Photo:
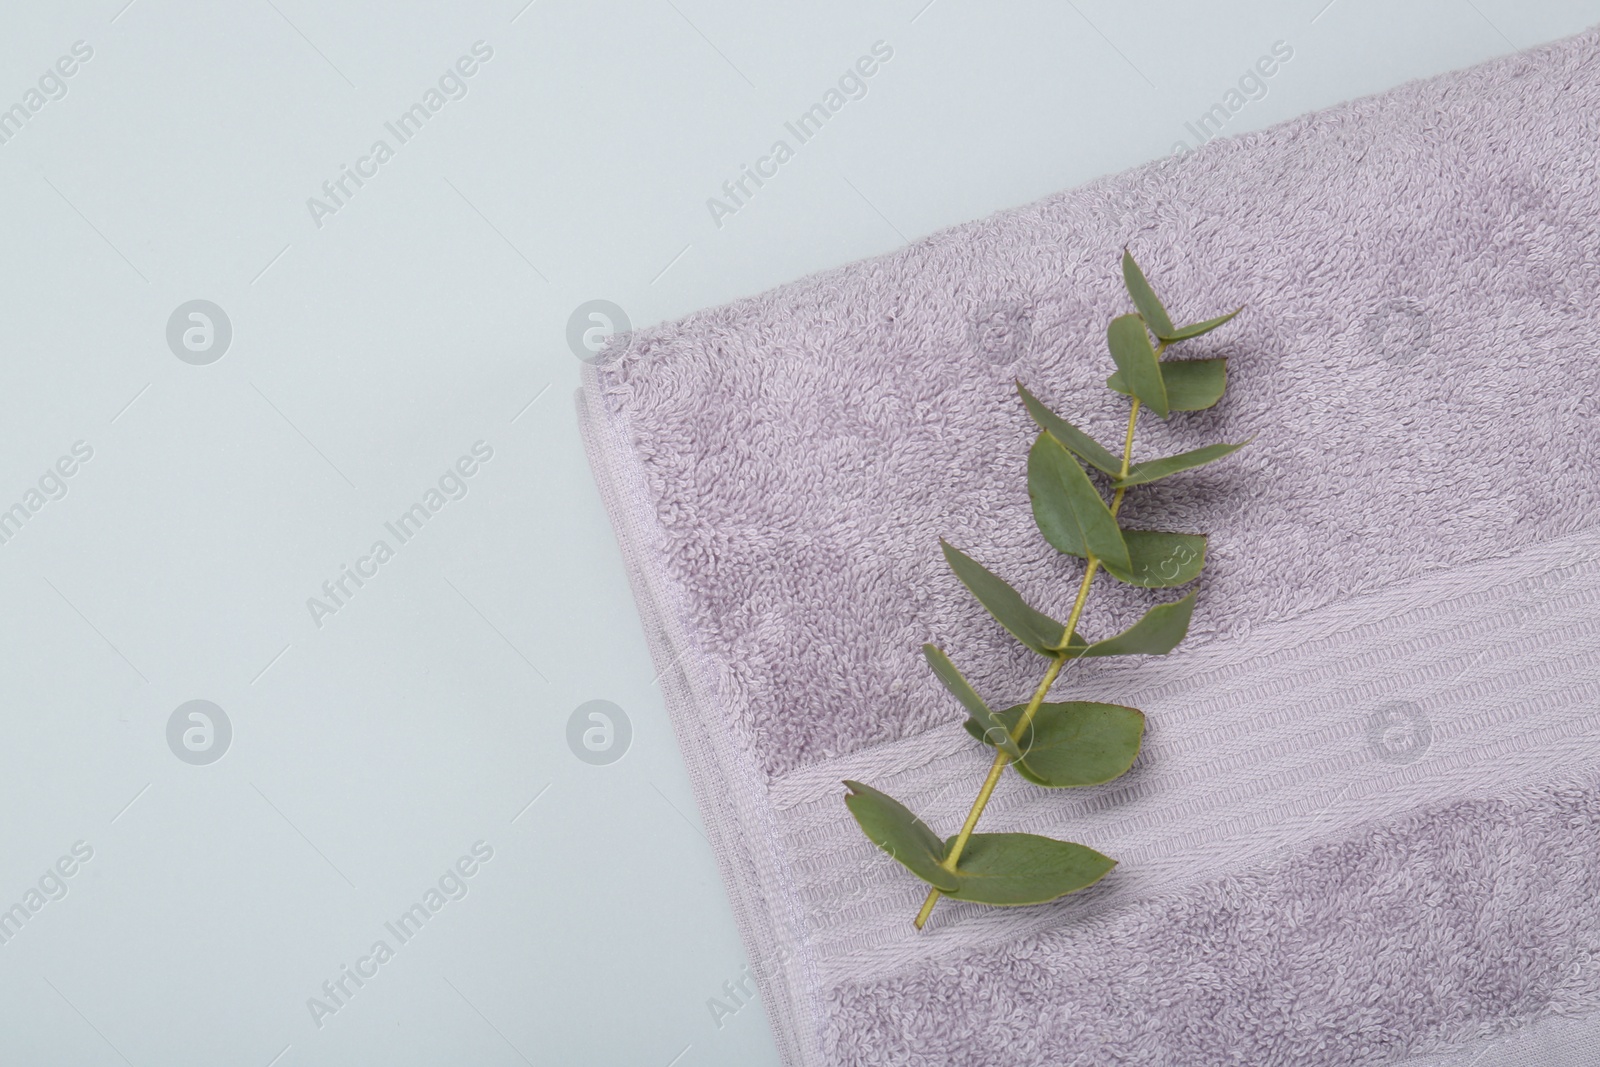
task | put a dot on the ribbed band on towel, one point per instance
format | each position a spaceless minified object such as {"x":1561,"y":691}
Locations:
{"x":1364,"y":824}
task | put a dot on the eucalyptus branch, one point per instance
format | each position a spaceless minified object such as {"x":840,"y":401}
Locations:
{"x":1001,"y":758}
{"x":1078,"y":743}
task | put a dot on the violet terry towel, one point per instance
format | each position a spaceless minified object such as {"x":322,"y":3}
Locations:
{"x":1365,"y":827}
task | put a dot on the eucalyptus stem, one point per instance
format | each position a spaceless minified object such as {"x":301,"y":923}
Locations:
{"x":1056,"y":664}
{"x":1073,"y":743}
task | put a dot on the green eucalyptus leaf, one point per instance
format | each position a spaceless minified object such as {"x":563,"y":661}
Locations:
{"x":1068,"y":508}
{"x":1161,"y":560}
{"x":1155,"y":314}
{"x":891,"y":826}
{"x":1156,"y":634}
{"x":1152,"y":470}
{"x":1144,"y":297}
{"x":1072,"y":744}
{"x":999,"y":734}
{"x":1014,"y":869}
{"x":1192,"y":384}
{"x":1033,"y":628}
{"x":1075,"y":439}
{"x":1195,"y":329}
{"x":1141,"y":370}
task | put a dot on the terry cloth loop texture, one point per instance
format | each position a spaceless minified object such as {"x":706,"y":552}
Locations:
{"x":1394,"y":653}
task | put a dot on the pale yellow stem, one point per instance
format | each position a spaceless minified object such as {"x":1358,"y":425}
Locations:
{"x":1056,"y":663}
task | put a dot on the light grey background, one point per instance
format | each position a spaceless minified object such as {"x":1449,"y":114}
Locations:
{"x":368,"y":353}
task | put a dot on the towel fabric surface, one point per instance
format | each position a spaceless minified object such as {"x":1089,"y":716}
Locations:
{"x":1365,"y":825}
